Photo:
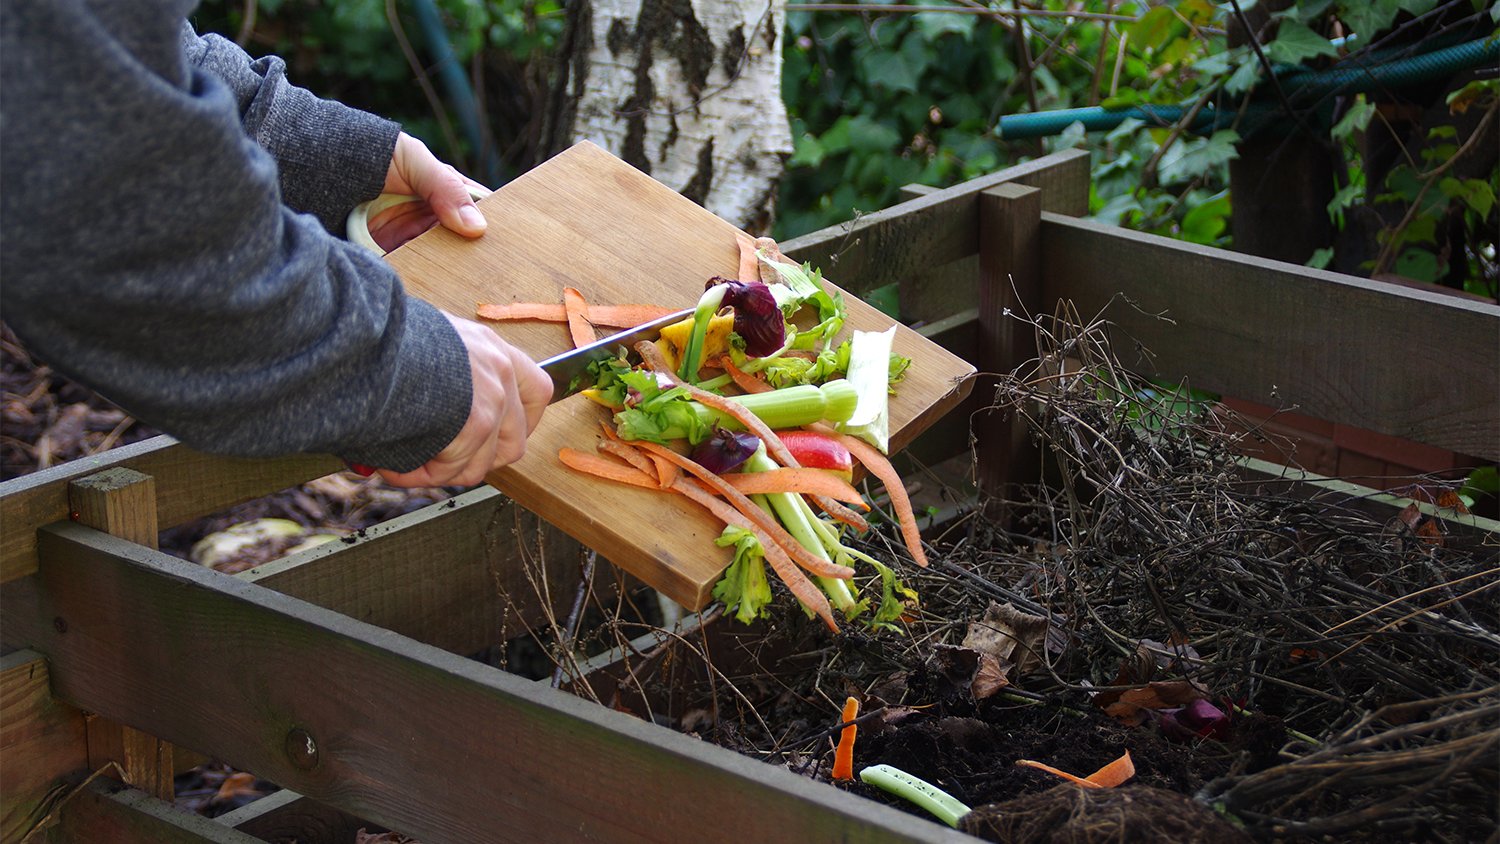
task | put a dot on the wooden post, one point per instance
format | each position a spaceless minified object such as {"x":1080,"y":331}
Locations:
{"x":1010,"y":218}
{"x":122,"y":502}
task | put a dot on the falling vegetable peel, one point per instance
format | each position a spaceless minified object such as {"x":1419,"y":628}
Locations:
{"x":791,"y":379}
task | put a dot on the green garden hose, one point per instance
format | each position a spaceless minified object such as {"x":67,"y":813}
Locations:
{"x":1300,"y":86}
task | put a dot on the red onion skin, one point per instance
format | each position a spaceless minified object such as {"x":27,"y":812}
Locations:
{"x":724,"y":451}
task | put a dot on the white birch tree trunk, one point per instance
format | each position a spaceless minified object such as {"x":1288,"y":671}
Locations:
{"x":688,"y":91}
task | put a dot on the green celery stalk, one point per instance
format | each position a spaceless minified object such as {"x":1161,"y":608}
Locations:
{"x":791,"y":407}
{"x":944,"y":806}
{"x":692,"y":356}
{"x":790,"y":509}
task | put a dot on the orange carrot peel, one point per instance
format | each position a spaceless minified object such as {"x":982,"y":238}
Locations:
{"x":612,"y":316}
{"x":1109,"y":776}
{"x":577,"y":309}
{"x":843,"y":755}
{"x":881,"y":468}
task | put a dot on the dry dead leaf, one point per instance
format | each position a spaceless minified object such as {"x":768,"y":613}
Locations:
{"x":989,"y":677}
{"x":1010,"y":636}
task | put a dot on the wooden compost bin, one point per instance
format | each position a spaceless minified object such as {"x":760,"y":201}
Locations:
{"x":335,"y":672}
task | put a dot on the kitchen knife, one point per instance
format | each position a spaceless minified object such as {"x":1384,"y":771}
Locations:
{"x":570,"y":370}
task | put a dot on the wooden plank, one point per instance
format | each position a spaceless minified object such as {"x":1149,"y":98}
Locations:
{"x":190,"y":484}
{"x":949,"y":436}
{"x":103,"y":810}
{"x":904,"y":240}
{"x":587,"y":219}
{"x":376,"y":724}
{"x":286,"y":815}
{"x":474,"y":594}
{"x":1009,"y":290}
{"x":1413,"y":363}
{"x":122,"y":503}
{"x":41,"y":742}
{"x":1459,"y":529}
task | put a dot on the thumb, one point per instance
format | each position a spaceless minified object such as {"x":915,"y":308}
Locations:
{"x":448,"y":196}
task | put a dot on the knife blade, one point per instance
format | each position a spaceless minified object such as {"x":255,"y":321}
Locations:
{"x":569,"y":371}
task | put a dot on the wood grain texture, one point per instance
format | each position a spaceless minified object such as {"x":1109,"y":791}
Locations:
{"x":122,"y":503}
{"x":288,"y":816}
{"x":41,"y":742}
{"x":189,"y":484}
{"x":586,"y":219}
{"x":391,"y":719}
{"x":104,"y":811}
{"x":905,"y":240}
{"x":1403,"y":361}
{"x":479,"y":590}
{"x":1010,"y":285}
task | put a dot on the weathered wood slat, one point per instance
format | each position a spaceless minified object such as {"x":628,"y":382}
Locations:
{"x":122,"y":502}
{"x":104,"y":811}
{"x":902,"y":241}
{"x":288,"y":816}
{"x":376,"y":724}
{"x":466,"y":597}
{"x":189,"y":484}
{"x":1010,"y":287}
{"x":1415,"y":364}
{"x":41,"y":741}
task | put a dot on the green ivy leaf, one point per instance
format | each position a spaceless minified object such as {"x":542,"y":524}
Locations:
{"x":889,"y":70}
{"x":1475,"y":193}
{"x":866,"y":135}
{"x":935,"y":25}
{"x":1354,"y":120}
{"x":1189,"y":159}
{"x":1321,"y":258}
{"x":1153,"y":29}
{"x":1368,"y":17}
{"x":1245,"y":77}
{"x":1418,"y":264}
{"x":1207,"y":220}
{"x":1295,"y":41}
{"x":807,"y":152}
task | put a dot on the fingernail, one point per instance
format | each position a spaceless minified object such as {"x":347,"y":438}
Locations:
{"x":471,"y":217}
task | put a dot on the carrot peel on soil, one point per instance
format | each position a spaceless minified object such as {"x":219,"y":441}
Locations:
{"x":1109,"y":776}
{"x":843,"y":754}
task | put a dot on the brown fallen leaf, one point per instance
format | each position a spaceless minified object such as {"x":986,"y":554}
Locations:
{"x":1012,"y":637}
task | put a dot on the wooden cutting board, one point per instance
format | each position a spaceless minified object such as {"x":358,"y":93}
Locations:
{"x":588,"y":220}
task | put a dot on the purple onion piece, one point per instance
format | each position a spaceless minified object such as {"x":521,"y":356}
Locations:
{"x":757,"y":318}
{"x":1199,"y":719}
{"x":725,"y":450}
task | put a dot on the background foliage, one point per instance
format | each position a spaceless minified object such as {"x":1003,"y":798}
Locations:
{"x":880,"y":98}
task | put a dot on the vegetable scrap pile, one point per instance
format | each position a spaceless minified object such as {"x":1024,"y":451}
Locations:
{"x":755,"y":410}
{"x":1304,"y":667}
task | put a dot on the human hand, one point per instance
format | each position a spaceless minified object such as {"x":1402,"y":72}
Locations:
{"x":416,"y":171}
{"x":509,"y":394}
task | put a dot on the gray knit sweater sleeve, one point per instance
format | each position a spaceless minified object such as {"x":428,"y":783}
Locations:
{"x":151,"y":244}
{"x":329,"y":157}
